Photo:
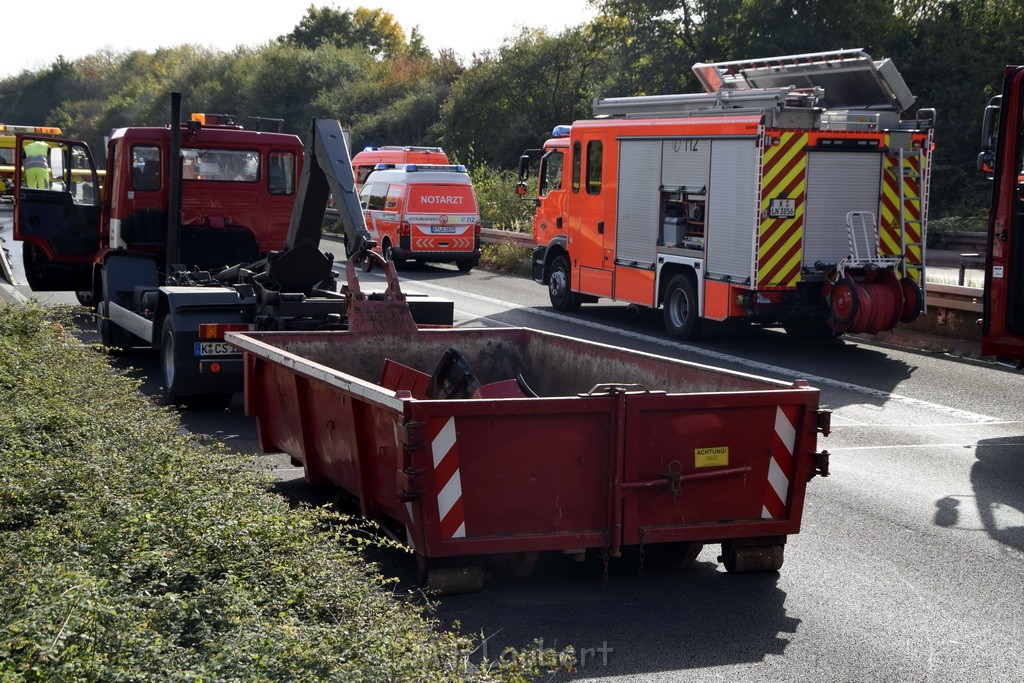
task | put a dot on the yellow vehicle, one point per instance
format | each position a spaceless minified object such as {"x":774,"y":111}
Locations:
{"x":10,"y":155}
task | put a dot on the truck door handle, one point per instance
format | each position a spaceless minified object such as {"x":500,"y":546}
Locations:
{"x":1004,"y":235}
{"x":558,"y":222}
{"x":600,"y":228}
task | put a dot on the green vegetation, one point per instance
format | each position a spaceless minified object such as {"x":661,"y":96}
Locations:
{"x":506,"y":258}
{"x":360,"y":67}
{"x":129,"y":552}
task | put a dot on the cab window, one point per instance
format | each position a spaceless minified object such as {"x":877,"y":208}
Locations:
{"x":594,"y":167}
{"x":230,"y":165}
{"x":362,"y":173}
{"x":145,"y":168}
{"x":373,"y":196}
{"x":576,"y":154}
{"x":281,"y":173}
{"x":551,"y":172}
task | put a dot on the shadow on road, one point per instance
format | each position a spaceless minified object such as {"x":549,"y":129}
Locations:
{"x":997,"y":478}
{"x":998,"y":481}
{"x":659,"y":622}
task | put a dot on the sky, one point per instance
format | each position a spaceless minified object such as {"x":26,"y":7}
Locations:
{"x":73,"y":28}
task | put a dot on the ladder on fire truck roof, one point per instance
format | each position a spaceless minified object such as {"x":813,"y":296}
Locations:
{"x":850,"y":78}
{"x":726,"y":101}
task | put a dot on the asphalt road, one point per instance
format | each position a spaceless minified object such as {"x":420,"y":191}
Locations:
{"x":909,"y":565}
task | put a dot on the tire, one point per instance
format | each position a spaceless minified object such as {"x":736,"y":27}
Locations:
{"x":113,"y":338}
{"x":168,"y":367}
{"x":169,"y":392}
{"x":389,"y":255}
{"x":464,"y":266}
{"x":86,"y":297}
{"x":680,"y":308}
{"x":560,"y":286}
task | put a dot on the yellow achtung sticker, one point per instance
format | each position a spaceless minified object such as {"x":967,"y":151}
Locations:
{"x":711,"y":457}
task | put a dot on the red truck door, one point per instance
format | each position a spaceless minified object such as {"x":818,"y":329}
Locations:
{"x":59,"y":224}
{"x":1003,"y":322}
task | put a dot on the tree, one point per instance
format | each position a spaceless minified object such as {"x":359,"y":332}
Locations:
{"x":510,"y":100}
{"x":372,"y":29}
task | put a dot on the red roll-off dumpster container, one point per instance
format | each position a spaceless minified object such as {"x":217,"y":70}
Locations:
{"x":592,"y":448}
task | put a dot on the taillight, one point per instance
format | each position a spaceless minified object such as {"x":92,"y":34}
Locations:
{"x":217,"y":330}
{"x":404,"y":229}
{"x":476,"y":230}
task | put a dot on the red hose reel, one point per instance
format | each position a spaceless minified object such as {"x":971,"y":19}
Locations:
{"x":871,"y":305}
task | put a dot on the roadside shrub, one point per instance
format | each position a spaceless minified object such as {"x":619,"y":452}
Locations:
{"x":500,"y":207}
{"x":507,"y":258}
{"x":130,"y":551}
{"x":940,"y":230}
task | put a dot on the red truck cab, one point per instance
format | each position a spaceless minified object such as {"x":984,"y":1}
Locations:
{"x":238,"y":189}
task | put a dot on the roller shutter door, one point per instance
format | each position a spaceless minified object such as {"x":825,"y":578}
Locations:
{"x":837,"y":183}
{"x":636,"y":218}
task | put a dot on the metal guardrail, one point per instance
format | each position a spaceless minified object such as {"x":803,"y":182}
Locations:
{"x":955,"y":296}
{"x":492,"y":236}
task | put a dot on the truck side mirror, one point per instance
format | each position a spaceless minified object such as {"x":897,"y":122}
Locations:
{"x":521,"y":189}
{"x":985,"y":164}
{"x":524,"y":168}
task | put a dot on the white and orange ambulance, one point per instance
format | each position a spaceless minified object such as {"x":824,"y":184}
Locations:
{"x":423,"y":213}
{"x":369,"y":158}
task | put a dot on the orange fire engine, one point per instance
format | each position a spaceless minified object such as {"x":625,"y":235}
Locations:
{"x":790,"y":193}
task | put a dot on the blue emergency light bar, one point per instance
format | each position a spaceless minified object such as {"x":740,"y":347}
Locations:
{"x":561,"y":131}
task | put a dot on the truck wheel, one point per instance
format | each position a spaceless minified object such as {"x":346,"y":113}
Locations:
{"x":85,"y":297}
{"x":560,"y":286}
{"x":111,"y":336}
{"x":464,"y":266}
{"x":169,"y":394}
{"x":680,"y":308}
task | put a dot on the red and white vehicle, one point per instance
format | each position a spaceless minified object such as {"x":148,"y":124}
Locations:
{"x":423,"y":213}
{"x":366,"y":162}
{"x":790,"y":193}
{"x":1002,"y":158}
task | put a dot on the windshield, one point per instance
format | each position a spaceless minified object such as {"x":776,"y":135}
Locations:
{"x":231,"y":165}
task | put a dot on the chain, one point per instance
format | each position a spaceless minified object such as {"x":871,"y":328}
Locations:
{"x":675,"y":474}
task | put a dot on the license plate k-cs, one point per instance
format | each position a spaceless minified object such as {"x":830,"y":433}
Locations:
{"x":217,"y":348}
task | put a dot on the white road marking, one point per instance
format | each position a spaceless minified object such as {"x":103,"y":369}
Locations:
{"x":815,"y":380}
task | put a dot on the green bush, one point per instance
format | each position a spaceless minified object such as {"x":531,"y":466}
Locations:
{"x":940,"y":230}
{"x":507,"y":258}
{"x":130,"y":551}
{"x":500,"y":207}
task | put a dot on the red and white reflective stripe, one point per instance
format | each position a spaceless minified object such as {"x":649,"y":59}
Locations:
{"x":444,"y":449}
{"x":780,"y":469}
